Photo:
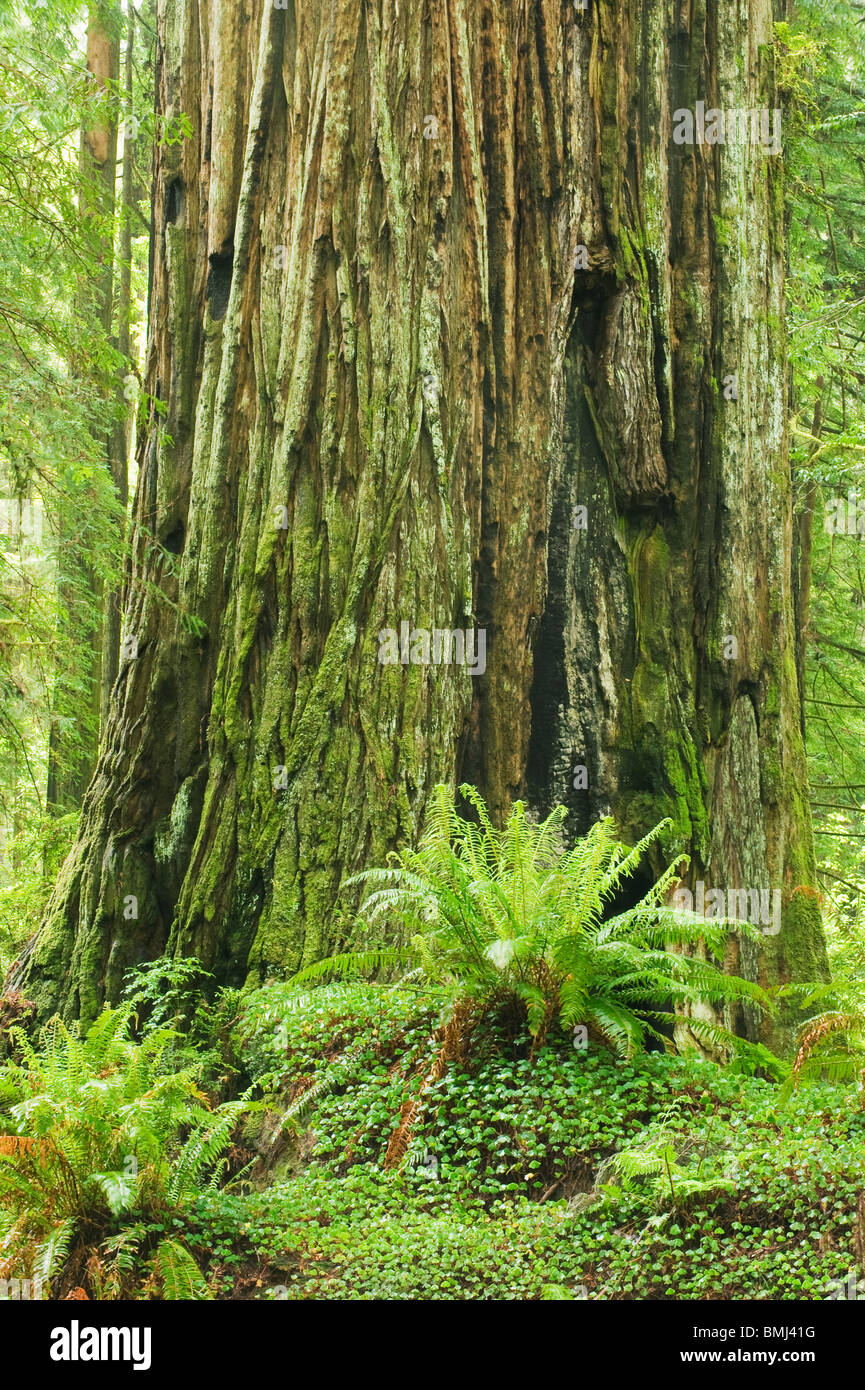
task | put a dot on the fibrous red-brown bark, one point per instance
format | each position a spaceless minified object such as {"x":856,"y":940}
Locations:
{"x":370,"y":309}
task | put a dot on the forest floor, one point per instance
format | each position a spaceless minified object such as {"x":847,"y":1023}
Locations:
{"x":570,"y":1174}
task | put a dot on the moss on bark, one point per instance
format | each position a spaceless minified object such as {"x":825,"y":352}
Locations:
{"x":408,"y":384}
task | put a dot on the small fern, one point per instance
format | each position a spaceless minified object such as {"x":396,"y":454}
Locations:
{"x":657,"y":1157}
{"x":831,"y":1043}
{"x":177,"y":1273}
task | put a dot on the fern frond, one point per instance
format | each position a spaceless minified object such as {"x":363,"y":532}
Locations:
{"x":349,"y":963}
{"x":52,"y":1253}
{"x":178,"y":1273}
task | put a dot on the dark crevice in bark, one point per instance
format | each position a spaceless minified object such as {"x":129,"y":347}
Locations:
{"x":564,"y":737}
{"x":630,"y":892}
{"x":219,"y":284}
{"x":549,"y":692}
{"x":174,"y":201}
{"x":471,"y":759}
{"x":173,"y":541}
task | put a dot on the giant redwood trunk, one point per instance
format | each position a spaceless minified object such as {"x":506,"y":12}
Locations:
{"x":428,"y":279}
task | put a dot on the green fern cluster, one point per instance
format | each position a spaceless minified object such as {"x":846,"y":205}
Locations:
{"x":662,"y":1161}
{"x":93,"y":1138}
{"x":511,"y":916}
{"x":831,"y":1043}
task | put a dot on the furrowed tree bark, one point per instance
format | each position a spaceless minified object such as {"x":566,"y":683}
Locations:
{"x":371,"y":309}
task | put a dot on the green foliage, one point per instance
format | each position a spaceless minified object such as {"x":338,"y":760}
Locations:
{"x":511,"y":919}
{"x":55,"y":409}
{"x":821,"y":67}
{"x":831,"y":1043}
{"x":95,"y":1130}
{"x":25,"y":891}
{"x":163,"y":992}
{"x":500,"y":1197}
{"x":61,"y":394}
{"x":177,"y":1272}
{"x":658,"y":1156}
{"x":766,"y":1190}
{"x":167,"y":993}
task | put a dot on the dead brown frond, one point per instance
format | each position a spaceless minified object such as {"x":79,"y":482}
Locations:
{"x":822,"y":1029}
{"x":546,"y":981}
{"x":16,"y":1146}
{"x":454,"y":1046}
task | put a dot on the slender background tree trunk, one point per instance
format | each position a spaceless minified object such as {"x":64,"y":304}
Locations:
{"x":118,"y":447}
{"x":426,"y":280}
{"x":72,"y":758}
